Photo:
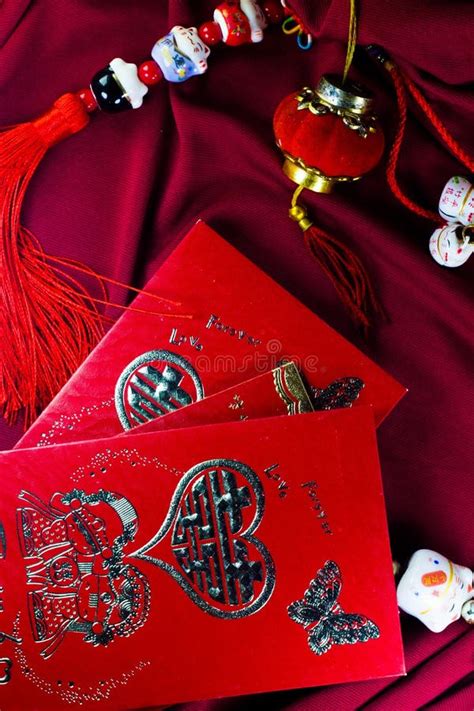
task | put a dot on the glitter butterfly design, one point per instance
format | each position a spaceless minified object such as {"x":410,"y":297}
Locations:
{"x":320,"y":613}
{"x":340,"y":393}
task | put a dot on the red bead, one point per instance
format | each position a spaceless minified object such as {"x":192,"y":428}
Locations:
{"x":149,"y":72}
{"x":273,"y":11}
{"x":88,"y":99}
{"x":210,"y":33}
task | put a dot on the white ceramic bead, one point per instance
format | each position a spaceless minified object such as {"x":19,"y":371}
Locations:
{"x":467,"y":612}
{"x":127,"y":75}
{"x":449,"y":246}
{"x":189,"y":43}
{"x":181,"y":54}
{"x":434,"y":589}
{"x":256,"y":18}
{"x":240,"y":22}
{"x":456,"y":203}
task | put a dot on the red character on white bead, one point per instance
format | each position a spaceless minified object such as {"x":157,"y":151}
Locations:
{"x":255,"y":17}
{"x":451,"y":245}
{"x":191,"y":45}
{"x":456,"y":203}
{"x":240,"y":22}
{"x":436,"y":590}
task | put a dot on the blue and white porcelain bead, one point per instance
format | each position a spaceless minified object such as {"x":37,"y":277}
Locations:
{"x":181,"y":54}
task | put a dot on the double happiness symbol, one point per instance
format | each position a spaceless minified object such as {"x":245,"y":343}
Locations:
{"x":79,"y":572}
{"x":154,"y":384}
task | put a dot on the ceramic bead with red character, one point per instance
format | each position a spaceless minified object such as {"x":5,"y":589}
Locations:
{"x":240,"y":22}
{"x":453,"y":244}
{"x":436,"y":590}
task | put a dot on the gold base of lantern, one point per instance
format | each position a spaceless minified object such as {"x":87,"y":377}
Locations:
{"x":310,"y":177}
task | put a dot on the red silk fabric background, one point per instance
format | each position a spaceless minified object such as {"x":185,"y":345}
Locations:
{"x":120,"y":195}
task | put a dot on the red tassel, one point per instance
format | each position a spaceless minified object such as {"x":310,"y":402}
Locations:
{"x":343,"y":268}
{"x":47,"y":325}
{"x":347,"y":273}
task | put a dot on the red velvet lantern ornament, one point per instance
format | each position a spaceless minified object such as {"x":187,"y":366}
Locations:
{"x":329,"y":135}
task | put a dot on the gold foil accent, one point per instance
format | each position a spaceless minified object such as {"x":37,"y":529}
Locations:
{"x":310,"y":177}
{"x":291,"y":389}
{"x":328,"y":98}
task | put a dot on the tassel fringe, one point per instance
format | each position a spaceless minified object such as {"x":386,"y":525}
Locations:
{"x":341,"y":266}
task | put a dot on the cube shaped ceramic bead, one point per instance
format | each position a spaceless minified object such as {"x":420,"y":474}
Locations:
{"x":456,"y":203}
{"x":434,"y":589}
{"x":181,"y":54}
{"x":450,"y":245}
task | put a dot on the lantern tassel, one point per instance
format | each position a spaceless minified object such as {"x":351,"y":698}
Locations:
{"x":341,"y":266}
{"x":47,"y":325}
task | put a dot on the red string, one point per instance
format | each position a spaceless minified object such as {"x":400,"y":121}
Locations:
{"x":77,"y":266}
{"x":347,"y":274}
{"x":392,"y":163}
{"x":401,"y":83}
{"x":112,"y":304}
{"x":455,"y":148}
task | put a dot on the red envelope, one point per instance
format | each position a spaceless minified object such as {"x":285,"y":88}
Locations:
{"x":175,"y":566}
{"x":243,"y":324}
{"x":278,"y":392}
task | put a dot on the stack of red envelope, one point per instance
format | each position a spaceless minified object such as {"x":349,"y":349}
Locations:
{"x":224,"y":548}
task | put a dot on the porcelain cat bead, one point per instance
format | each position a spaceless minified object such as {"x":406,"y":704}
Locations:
{"x":240,"y":21}
{"x":181,"y":54}
{"x":189,"y":43}
{"x":456,"y":203}
{"x":435,"y":590}
{"x":256,"y":18}
{"x":451,"y":245}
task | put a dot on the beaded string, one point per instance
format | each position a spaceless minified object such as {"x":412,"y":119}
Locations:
{"x":48,"y":321}
{"x":181,"y":54}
